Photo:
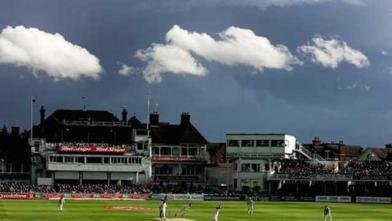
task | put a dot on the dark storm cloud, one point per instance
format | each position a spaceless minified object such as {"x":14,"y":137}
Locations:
{"x":308,"y":101}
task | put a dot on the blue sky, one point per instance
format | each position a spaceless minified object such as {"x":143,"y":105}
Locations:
{"x":347,"y":102}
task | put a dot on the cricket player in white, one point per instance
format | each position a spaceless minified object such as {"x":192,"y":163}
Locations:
{"x":217,"y":211}
{"x":162,"y":210}
{"x":61,"y":202}
{"x":327,"y":213}
{"x":250,"y":204}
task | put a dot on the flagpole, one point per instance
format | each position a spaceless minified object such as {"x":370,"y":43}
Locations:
{"x":31,"y":118}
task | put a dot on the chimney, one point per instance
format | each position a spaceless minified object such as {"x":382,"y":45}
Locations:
{"x":124,"y":115}
{"x":342,"y":150}
{"x":316,"y":142}
{"x":185,"y":118}
{"x":15,"y":131}
{"x":42,"y":112}
{"x":154,"y":118}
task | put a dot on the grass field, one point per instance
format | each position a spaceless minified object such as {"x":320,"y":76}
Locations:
{"x":11,"y":210}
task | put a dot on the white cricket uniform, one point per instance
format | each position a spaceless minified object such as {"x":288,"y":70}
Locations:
{"x":62,"y":201}
{"x":216,"y":214}
{"x":250,"y":204}
{"x":327,"y":214}
{"x":163,"y":211}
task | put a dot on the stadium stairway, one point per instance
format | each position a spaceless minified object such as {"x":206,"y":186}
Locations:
{"x":309,"y":155}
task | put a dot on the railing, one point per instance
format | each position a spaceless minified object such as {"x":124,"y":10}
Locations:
{"x":310,"y":155}
{"x":177,"y":158}
{"x":315,"y":177}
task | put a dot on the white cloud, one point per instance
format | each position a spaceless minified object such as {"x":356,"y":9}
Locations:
{"x":50,"y":53}
{"x":127,"y":70}
{"x":169,"y":58}
{"x":331,"y":52}
{"x":235,"y":46}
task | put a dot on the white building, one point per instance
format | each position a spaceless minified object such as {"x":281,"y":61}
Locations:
{"x":252,"y":154}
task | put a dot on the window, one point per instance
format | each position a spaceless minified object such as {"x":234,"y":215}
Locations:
{"x":184,"y":151}
{"x":262,"y":143}
{"x":68,"y":159}
{"x":266,"y":167}
{"x":79,"y":159}
{"x":245,"y":167}
{"x":192,"y":151}
{"x":176,"y":151}
{"x":106,"y":160}
{"x":247,"y":143}
{"x":165,"y":151}
{"x":277,"y":143}
{"x":94,"y":160}
{"x":233,"y":143}
{"x":255,"y":167}
{"x":141,"y":132}
{"x":59,"y":159}
{"x":155,"y":150}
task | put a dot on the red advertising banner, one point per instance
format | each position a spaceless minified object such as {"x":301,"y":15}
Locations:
{"x":111,"y":196}
{"x":16,"y":196}
{"x":139,"y":196}
{"x":82,"y":195}
{"x":52,"y":195}
{"x":91,"y":149}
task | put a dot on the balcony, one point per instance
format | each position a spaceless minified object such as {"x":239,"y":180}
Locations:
{"x":164,"y":158}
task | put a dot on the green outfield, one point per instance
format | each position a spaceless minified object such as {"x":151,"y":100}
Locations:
{"x":11,"y":210}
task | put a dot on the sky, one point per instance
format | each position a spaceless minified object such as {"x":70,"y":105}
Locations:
{"x":303,"y":67}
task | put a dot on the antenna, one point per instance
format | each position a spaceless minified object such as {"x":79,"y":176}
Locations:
{"x":84,"y":103}
{"x":148,"y":111}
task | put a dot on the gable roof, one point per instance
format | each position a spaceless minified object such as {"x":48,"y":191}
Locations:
{"x":176,"y":134}
{"x":80,"y":115}
{"x":382,"y":153}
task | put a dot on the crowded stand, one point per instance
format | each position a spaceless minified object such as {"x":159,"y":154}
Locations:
{"x":299,"y":168}
{"x":68,"y":188}
{"x":376,"y":170}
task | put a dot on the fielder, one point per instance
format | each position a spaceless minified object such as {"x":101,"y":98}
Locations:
{"x":216,"y":213}
{"x":61,"y":202}
{"x":162,"y":210}
{"x":183,"y":210}
{"x":327,"y":213}
{"x":250,"y":204}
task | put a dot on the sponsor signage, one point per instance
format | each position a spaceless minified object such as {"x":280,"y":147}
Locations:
{"x":363,"y":199}
{"x":51,"y":195}
{"x":179,"y":196}
{"x":115,"y":196}
{"x":16,"y":196}
{"x":338,"y":199}
{"x":221,"y":198}
{"x":82,"y":195}
{"x":91,"y":149}
{"x":139,"y":196}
